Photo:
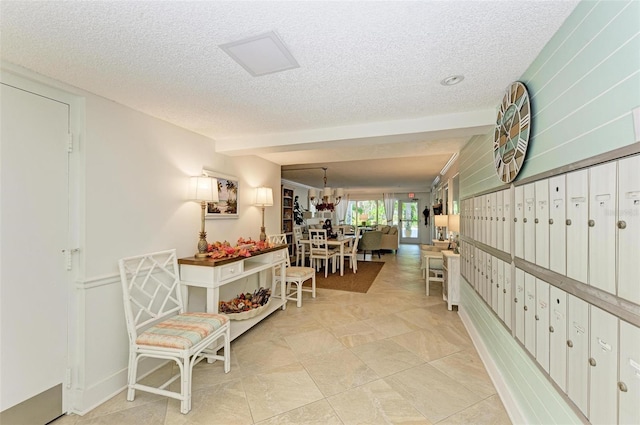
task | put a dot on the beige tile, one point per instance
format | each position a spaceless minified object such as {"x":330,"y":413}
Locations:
{"x":375,"y":403}
{"x":257,"y":357}
{"x":386,"y":357}
{"x":489,"y":412}
{"x":318,"y":413}
{"x":355,"y":333}
{"x":426,"y":344}
{"x":432,"y":392}
{"x":391,"y":325}
{"x":148,"y":414}
{"x":279,"y":390}
{"x":467,"y":369}
{"x":338,"y":371}
{"x":310,"y":344}
{"x":225,"y":403}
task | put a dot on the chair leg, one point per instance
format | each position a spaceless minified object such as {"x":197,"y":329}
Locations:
{"x":313,"y":286}
{"x":185,"y":384}
{"x":133,"y":371}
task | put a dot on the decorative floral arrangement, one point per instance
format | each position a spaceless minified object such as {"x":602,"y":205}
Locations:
{"x":243,"y":248}
{"x":326,"y":207}
{"x":245,"y":302}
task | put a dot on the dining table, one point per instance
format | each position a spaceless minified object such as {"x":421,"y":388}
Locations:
{"x":342,"y":242}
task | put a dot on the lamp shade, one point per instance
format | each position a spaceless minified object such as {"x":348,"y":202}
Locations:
{"x":454,"y":222}
{"x":441,"y":220}
{"x":326,"y":192}
{"x":203,"y":188}
{"x":264,"y":196}
{"x":313,"y":193}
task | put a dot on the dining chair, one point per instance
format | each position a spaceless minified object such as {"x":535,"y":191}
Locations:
{"x":353,"y":253}
{"x":297,"y":276}
{"x":159,"y":327}
{"x":297,"y":240}
{"x":277,"y":239}
{"x":319,"y":250}
{"x":370,"y":241}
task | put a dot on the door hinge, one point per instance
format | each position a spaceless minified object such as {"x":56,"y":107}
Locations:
{"x":67,"y":256}
{"x":70,"y":142}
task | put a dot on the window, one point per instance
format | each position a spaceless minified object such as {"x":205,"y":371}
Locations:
{"x":370,"y":212}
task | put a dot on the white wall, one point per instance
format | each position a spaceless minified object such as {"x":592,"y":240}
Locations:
{"x":132,"y":183}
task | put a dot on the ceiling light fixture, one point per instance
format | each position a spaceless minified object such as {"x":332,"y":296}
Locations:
{"x":261,"y":55}
{"x":452,"y":81}
{"x":330,"y":198}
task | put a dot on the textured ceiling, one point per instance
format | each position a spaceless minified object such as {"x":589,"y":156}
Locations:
{"x":367,"y":87}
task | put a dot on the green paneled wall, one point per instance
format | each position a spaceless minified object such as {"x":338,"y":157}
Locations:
{"x":583,"y":87}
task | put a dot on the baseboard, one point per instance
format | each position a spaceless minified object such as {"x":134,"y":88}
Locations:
{"x":92,"y":397}
{"x":510,"y":404}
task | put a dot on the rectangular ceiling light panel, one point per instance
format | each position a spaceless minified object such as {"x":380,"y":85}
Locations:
{"x":261,"y":55}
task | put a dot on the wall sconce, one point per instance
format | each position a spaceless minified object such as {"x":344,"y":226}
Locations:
{"x":203,"y":189}
{"x":264,"y":198}
{"x":441,"y":221}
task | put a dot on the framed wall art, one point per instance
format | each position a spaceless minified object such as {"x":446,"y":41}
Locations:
{"x":227,"y":205}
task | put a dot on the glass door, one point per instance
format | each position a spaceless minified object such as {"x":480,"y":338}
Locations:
{"x":408,"y":218}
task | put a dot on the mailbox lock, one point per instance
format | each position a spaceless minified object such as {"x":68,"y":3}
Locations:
{"x":525,"y":308}
{"x":515,"y":219}
{"x":592,"y":223}
{"x":515,"y":300}
{"x":536,"y":221}
{"x":491,"y":280}
{"x":622,"y":224}
{"x":524,"y":219}
{"x":622,"y":387}
{"x":503,"y":219}
{"x":537,"y":317}
{"x":550,"y":221}
{"x":504,"y":291}
{"x":568,"y":222}
{"x":551,"y":329}
{"x":569,"y":343}
{"x":592,"y":361}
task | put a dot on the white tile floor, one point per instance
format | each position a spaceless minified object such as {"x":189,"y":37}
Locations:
{"x":391,"y":356}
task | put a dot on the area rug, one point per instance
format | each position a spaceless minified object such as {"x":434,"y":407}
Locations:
{"x":353,"y":282}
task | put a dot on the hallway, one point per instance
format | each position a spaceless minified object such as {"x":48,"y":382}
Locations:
{"x":390,"y":356}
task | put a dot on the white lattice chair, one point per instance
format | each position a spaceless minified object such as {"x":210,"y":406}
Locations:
{"x":294,"y":275}
{"x":353,"y":252}
{"x":319,"y":250}
{"x":159,"y":327}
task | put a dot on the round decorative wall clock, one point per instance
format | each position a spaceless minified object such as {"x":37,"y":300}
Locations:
{"x":511,"y":136}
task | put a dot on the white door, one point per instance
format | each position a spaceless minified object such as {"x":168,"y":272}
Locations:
{"x":629,"y":386}
{"x":558,"y":336}
{"x":499,"y":264}
{"x":603,"y":387}
{"x":577,"y":234}
{"x":578,"y":352}
{"x":542,"y":223}
{"x":519,"y":223}
{"x":529,"y":224}
{"x":508,"y":298}
{"x":507,"y":219}
{"x":34,"y":231}
{"x":529,"y":313}
{"x":409,"y":223}
{"x":602,"y":226}
{"x":542,"y":323}
{"x":518,"y":305}
{"x":500,"y":220}
{"x":557,"y":226}
{"x":495,"y":288}
{"x":493,"y":221}
{"x":629,"y":228}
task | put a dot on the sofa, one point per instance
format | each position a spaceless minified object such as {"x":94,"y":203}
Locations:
{"x":390,"y":238}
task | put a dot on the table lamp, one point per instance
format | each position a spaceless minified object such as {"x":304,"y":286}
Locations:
{"x":454,"y":228}
{"x":203,"y":189}
{"x":264,"y":198}
{"x":440,"y":222}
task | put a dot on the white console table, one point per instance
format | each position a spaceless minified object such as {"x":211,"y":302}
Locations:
{"x":213,"y":274}
{"x":451,"y":284}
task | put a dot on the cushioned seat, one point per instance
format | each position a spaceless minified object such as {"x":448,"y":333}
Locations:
{"x":182,"y":331}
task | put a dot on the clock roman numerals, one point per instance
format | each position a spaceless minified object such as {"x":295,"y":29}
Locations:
{"x":512,"y":130}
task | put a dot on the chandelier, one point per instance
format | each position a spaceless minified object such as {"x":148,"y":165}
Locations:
{"x":330,"y":197}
